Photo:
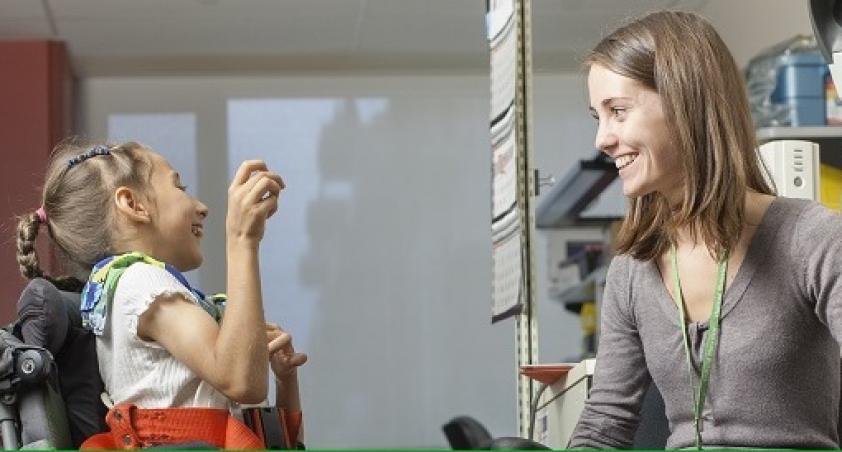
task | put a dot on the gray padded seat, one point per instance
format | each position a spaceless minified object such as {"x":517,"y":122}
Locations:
{"x":68,"y":409}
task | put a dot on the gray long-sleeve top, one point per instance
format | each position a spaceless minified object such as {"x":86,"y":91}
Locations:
{"x":776,"y":372}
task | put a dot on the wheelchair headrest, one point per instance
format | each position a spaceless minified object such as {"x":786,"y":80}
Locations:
{"x":47,"y":315}
{"x":50,"y":318}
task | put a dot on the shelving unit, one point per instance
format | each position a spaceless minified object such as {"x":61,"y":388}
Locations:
{"x":829,"y":139}
{"x":571,"y":195}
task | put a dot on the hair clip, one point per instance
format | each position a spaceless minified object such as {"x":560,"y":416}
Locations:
{"x":42,"y":214}
{"x":93,"y":152}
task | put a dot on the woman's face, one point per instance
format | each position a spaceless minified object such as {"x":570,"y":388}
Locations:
{"x":633,"y":131}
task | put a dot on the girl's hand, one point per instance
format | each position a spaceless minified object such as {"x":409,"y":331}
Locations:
{"x":252,"y":198}
{"x":282,"y":356}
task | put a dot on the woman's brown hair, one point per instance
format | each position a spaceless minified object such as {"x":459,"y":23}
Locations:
{"x":76,"y":199}
{"x":680,"y":56}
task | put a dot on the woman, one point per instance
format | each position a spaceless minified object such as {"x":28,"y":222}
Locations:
{"x":726,"y":297}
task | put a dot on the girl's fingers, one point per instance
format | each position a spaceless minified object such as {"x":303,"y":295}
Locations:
{"x":290,"y":362}
{"x":298,"y":359}
{"x":246,"y":169}
{"x":268,"y":206}
{"x":277,"y":344}
{"x":272,"y":209}
{"x":274,"y":327}
{"x":263,"y":189}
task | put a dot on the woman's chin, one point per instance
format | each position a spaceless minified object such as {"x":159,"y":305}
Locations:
{"x":632,"y":192}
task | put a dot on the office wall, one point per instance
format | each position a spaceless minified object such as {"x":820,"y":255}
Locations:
{"x":750,"y":26}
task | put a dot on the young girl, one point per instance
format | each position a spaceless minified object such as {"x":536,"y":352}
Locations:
{"x":121,"y":213}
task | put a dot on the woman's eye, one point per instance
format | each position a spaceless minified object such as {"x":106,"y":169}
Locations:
{"x":618,"y":111}
{"x":182,"y":187}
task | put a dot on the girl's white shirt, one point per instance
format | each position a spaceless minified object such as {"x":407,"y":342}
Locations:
{"x":143,"y":372}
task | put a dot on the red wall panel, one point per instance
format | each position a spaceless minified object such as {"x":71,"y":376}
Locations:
{"x":36,"y":87}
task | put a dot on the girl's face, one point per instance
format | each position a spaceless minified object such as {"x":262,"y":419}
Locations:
{"x":177,"y":217}
{"x":633,"y":131}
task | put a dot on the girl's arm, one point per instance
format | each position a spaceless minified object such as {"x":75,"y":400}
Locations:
{"x":285,"y":362}
{"x":233,"y":356}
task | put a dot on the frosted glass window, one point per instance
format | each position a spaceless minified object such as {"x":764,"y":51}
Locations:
{"x":286,"y":134}
{"x":378,"y":260}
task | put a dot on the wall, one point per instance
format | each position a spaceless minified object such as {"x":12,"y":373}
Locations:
{"x":750,"y":26}
{"x":379,"y":259}
{"x":35,"y":113}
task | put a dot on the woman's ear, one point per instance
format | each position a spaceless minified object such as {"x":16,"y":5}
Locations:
{"x":132,"y":205}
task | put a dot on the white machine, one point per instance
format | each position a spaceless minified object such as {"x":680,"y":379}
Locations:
{"x":561,"y":404}
{"x":793,"y":167}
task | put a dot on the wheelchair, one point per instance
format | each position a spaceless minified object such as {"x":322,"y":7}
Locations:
{"x":49,"y":378}
{"x":50,"y":387}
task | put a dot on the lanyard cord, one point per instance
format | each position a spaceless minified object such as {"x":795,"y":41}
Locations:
{"x":711,"y":340}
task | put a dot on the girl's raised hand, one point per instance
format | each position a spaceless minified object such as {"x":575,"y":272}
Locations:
{"x":252,"y":198}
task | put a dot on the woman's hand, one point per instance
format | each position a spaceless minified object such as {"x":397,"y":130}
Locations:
{"x":252,"y":198}
{"x":282,"y":356}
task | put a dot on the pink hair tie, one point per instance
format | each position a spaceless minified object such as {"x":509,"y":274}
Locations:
{"x":42,"y":214}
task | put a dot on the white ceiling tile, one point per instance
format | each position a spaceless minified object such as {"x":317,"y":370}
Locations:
{"x":424,"y":27}
{"x":316,"y":33}
{"x":207,"y":26}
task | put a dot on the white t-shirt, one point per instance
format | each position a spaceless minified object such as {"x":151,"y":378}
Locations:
{"x":143,"y":372}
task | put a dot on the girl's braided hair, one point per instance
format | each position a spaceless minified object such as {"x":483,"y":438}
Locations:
{"x":77,"y":202}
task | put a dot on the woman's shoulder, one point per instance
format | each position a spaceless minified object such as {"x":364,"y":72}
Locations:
{"x":626,"y":272}
{"x":626,"y":265}
{"x":807,"y":217}
{"x":797,"y":206}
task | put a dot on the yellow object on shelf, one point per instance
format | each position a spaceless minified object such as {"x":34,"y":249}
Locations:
{"x":588,"y":318}
{"x":830,"y":186}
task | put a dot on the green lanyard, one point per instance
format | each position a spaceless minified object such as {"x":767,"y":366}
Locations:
{"x":710,"y":341}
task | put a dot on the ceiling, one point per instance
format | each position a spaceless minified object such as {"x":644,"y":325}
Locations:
{"x":170,"y":37}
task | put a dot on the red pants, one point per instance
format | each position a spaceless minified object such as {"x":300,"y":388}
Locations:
{"x":132,"y":428}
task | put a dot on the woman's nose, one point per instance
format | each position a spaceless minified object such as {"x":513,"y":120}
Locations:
{"x":606,"y":139}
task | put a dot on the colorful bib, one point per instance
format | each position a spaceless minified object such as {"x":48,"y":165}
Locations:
{"x":99,"y":290}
